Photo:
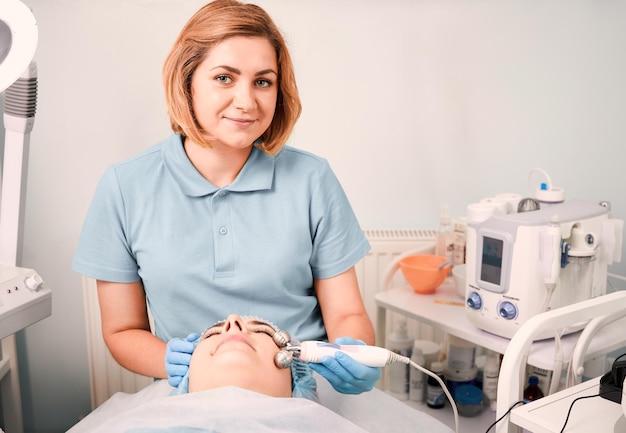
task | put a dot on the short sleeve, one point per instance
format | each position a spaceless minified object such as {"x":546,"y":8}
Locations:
{"x":338,"y":241}
{"x":103,"y":250}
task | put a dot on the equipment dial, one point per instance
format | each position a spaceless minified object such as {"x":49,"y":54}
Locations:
{"x":474,"y":301}
{"x":507,"y":310}
{"x":33,"y":282}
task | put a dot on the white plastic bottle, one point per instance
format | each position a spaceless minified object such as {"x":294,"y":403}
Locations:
{"x":490,"y":378}
{"x":417,"y":384}
{"x":399,"y":342}
{"x":459,"y":231}
{"x":445,"y":236}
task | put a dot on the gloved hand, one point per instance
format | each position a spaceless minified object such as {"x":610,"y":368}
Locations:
{"x":344,"y":373}
{"x":177,"y":358}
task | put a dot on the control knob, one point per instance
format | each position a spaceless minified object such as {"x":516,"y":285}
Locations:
{"x":474,"y":301}
{"x":507,"y":310}
{"x":33,"y":282}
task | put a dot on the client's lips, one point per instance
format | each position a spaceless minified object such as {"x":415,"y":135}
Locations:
{"x":234,"y":338}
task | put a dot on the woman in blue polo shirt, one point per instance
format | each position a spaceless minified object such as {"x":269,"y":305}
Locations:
{"x":221,"y":216}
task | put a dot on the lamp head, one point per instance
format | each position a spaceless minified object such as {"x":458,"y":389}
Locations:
{"x":18,"y":40}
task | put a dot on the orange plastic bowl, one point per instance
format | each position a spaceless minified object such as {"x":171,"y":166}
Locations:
{"x":422,"y":272}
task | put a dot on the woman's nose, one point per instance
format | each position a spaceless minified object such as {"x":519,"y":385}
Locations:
{"x":234,"y":323}
{"x":244,"y":98}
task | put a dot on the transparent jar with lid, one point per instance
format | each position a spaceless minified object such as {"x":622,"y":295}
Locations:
{"x":469,"y":400}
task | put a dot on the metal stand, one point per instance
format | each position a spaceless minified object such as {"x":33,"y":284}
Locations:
{"x":15,"y":170}
{"x":10,"y":387}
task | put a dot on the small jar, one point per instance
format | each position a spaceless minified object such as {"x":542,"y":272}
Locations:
{"x":469,"y":400}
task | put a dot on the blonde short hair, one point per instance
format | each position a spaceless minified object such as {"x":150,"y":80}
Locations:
{"x":210,"y":25}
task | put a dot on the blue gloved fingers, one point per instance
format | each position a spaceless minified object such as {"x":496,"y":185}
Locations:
{"x":365,"y":376}
{"x":176,"y":369}
{"x":177,"y":359}
{"x":358,"y":370}
{"x":177,"y":345}
{"x":346,"y":375}
{"x":349,"y":340}
{"x":338,"y":384}
{"x":175,"y":373}
{"x":178,"y":356}
{"x":192,"y":337}
{"x":350,"y":371}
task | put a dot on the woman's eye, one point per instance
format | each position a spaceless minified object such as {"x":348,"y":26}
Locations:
{"x":263,"y":83}
{"x":224,"y":79}
{"x":264,"y":330}
{"x":211,"y":332}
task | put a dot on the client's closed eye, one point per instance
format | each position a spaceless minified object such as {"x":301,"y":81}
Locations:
{"x":213,"y":330}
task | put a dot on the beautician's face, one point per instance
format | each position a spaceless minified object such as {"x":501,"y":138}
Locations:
{"x":239,"y":352}
{"x":234,"y":91}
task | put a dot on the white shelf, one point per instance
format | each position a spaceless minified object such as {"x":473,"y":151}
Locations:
{"x":548,"y":414}
{"x":445,"y":310}
{"x":475,"y":424}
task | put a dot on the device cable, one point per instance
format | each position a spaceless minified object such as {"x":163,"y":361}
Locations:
{"x":571,"y":406}
{"x":443,"y":387}
{"x":513,"y":406}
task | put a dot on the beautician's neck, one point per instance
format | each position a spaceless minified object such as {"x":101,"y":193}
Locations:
{"x":220,"y":164}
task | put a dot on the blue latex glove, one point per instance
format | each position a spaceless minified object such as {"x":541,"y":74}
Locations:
{"x":177,"y":358}
{"x":344,"y":373}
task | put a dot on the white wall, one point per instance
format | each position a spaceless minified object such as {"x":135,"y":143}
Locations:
{"x":416,"y":103}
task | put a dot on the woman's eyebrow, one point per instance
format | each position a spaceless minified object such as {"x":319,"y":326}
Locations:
{"x":238,"y":72}
{"x":218,"y":324}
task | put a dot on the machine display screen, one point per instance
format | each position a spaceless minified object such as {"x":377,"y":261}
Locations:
{"x":491,"y":264}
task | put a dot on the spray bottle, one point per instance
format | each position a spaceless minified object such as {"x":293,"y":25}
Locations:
{"x":445,"y":236}
{"x":417,"y":384}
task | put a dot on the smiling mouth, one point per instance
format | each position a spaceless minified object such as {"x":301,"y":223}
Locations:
{"x":233,"y":339}
{"x":240,"y":121}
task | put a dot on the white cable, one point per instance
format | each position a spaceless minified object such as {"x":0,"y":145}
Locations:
{"x":406,"y":360}
{"x":373,"y":356}
{"x":617,"y":277}
{"x":542,"y":171}
{"x":548,"y":298}
{"x":558,"y":363}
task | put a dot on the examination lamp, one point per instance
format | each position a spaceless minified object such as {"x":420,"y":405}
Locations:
{"x":18,"y":80}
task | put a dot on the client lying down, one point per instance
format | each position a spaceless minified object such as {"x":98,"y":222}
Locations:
{"x":237,"y":382}
{"x":246,"y":352}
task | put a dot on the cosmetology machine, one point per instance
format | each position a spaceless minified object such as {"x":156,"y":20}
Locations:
{"x":534,"y":255}
{"x":24,"y":299}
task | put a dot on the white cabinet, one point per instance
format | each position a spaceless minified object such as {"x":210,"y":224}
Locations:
{"x":547,"y":415}
{"x":445,"y":310}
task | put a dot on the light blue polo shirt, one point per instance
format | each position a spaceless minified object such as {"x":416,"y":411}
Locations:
{"x":202,"y":252}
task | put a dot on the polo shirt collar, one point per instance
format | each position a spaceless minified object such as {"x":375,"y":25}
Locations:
{"x":257,"y":173}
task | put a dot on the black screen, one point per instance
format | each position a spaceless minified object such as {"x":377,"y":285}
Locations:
{"x":491,"y":268}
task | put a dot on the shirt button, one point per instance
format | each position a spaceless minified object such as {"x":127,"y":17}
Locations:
{"x":222,"y":194}
{"x":223,"y":230}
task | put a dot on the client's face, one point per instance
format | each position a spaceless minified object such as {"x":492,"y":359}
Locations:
{"x":239,"y":352}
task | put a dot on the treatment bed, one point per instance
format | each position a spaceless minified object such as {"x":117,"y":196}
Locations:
{"x":236,"y":410}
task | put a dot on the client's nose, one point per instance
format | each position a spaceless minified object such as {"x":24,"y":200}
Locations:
{"x":233,"y":323}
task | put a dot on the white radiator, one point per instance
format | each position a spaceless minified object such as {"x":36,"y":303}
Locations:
{"x":107,"y":377}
